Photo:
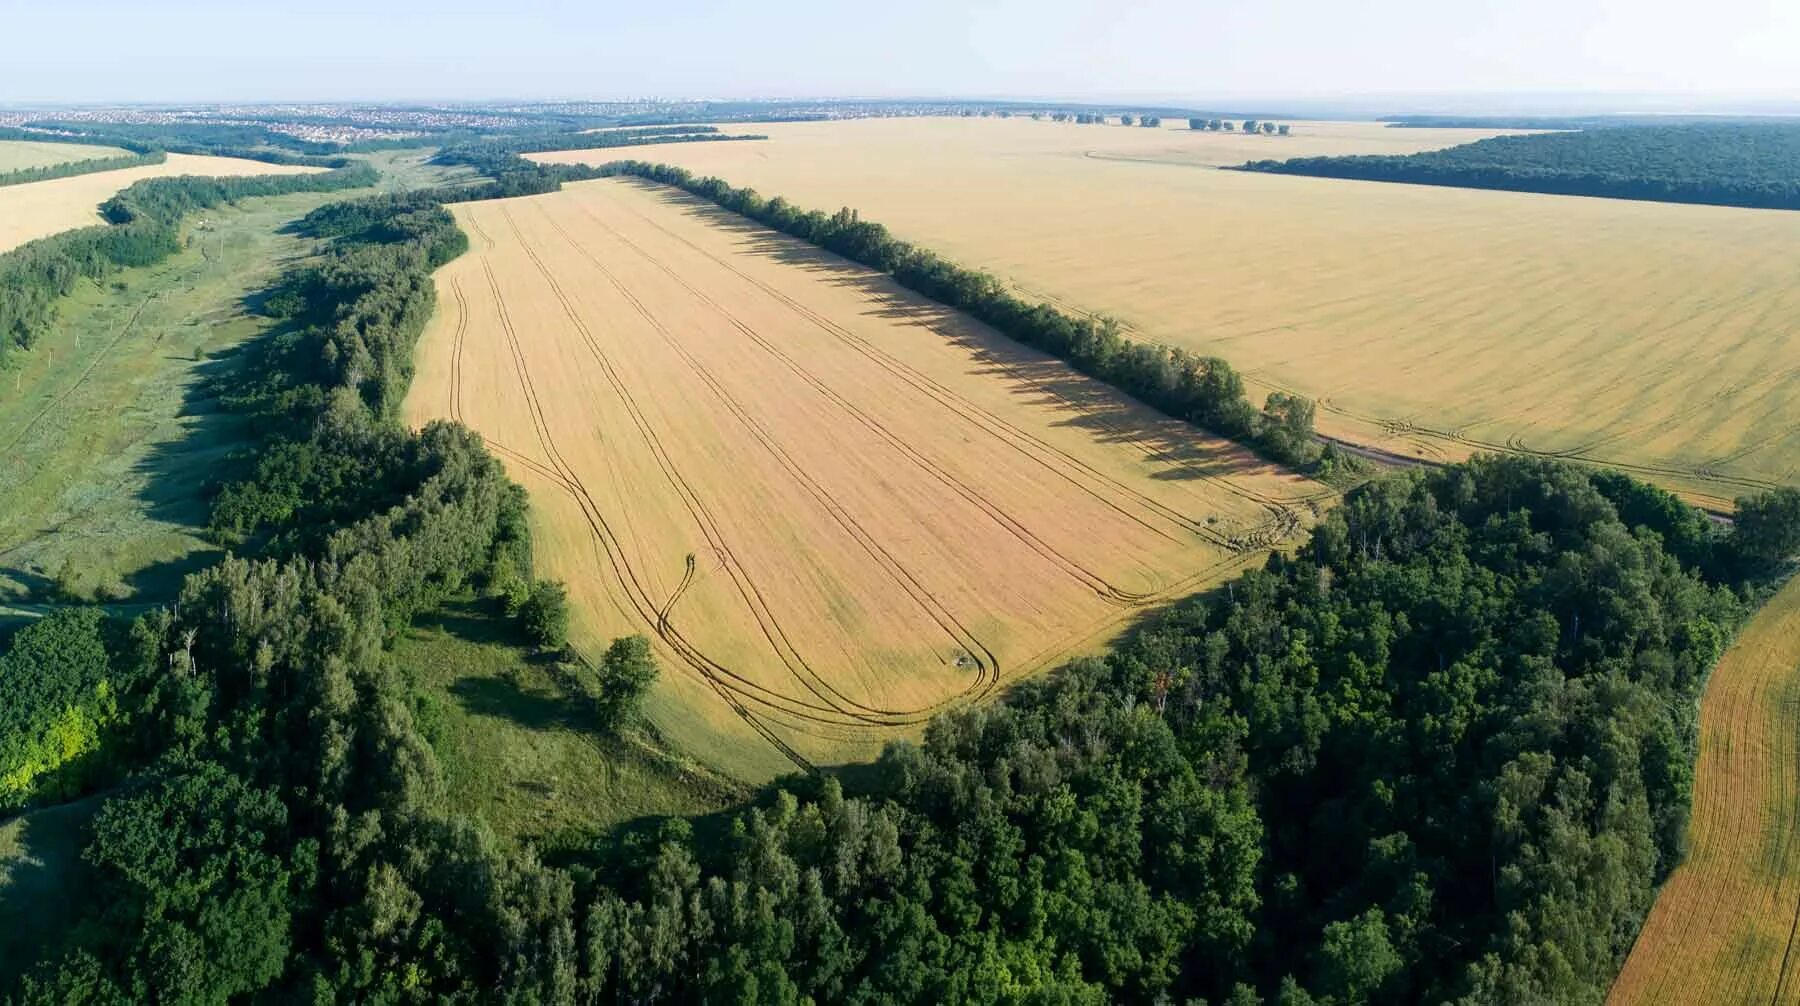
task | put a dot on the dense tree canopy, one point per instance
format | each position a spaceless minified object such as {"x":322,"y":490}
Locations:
{"x":1727,"y":164}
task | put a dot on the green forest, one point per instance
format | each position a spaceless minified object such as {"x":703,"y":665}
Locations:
{"x":1722,"y":164}
{"x":1443,"y":752}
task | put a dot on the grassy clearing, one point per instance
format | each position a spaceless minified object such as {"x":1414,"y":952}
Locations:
{"x":837,"y":508}
{"x":107,"y":436}
{"x":1432,"y":322}
{"x":515,"y":750}
{"x":16,"y":155}
{"x":41,"y":875}
{"x":1726,"y":920}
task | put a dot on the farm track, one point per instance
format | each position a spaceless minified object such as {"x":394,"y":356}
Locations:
{"x":1410,"y":430}
{"x":1726,"y":921}
{"x":788,"y":696}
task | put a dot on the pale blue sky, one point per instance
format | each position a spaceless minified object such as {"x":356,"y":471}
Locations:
{"x":153,"y":50}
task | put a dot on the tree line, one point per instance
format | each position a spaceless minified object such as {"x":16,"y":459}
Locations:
{"x":479,"y":152}
{"x":1724,"y":164}
{"x":1250,"y":126}
{"x":68,"y":169}
{"x":1200,"y":389}
{"x":145,"y":228}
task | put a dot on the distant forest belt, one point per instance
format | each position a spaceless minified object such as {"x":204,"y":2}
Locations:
{"x":835,"y":507}
{"x":1726,"y":920}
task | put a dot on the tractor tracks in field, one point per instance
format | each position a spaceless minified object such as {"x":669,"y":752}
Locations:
{"x":1053,"y":459}
{"x":1088,"y":578}
{"x":816,"y":707}
{"x":739,"y":692}
{"x":902,"y":577}
{"x":734,"y":692}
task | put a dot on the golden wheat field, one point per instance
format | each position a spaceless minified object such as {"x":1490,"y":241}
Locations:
{"x":1432,"y":322}
{"x":17,"y":154}
{"x":39,"y":209}
{"x":1723,"y":927}
{"x":835,"y":508}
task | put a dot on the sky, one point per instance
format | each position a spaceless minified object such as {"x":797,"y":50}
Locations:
{"x":1181,"y":50}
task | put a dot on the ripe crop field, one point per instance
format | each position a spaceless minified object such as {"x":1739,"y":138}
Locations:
{"x":39,"y":209}
{"x":18,"y":154}
{"x":1431,"y":322}
{"x":834,"y":507}
{"x":1726,"y":921}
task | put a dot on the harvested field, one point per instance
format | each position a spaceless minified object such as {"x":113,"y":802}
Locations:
{"x":39,"y":209}
{"x":1723,"y":929}
{"x":834,"y":507}
{"x":18,"y":154}
{"x":1430,"y":322}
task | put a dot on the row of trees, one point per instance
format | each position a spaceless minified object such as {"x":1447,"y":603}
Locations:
{"x":1725,"y":164}
{"x":68,"y":169}
{"x":477,"y":152}
{"x":145,"y":229}
{"x":1250,"y":126}
{"x":1203,"y":390}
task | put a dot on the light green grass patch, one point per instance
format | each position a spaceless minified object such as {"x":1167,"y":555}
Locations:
{"x":107,"y":434}
{"x":520,"y":754}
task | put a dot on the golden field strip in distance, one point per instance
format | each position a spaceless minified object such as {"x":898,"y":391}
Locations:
{"x":834,"y":507}
{"x":1428,"y":322}
{"x":16,"y":155}
{"x":39,"y":209}
{"x":1723,"y":929}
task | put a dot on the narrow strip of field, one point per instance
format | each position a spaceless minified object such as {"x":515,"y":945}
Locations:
{"x":39,"y":209}
{"x":19,"y":154}
{"x":835,"y":507}
{"x":1725,"y":927}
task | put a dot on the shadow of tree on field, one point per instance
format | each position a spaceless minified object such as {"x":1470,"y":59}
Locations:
{"x":1175,"y":450}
